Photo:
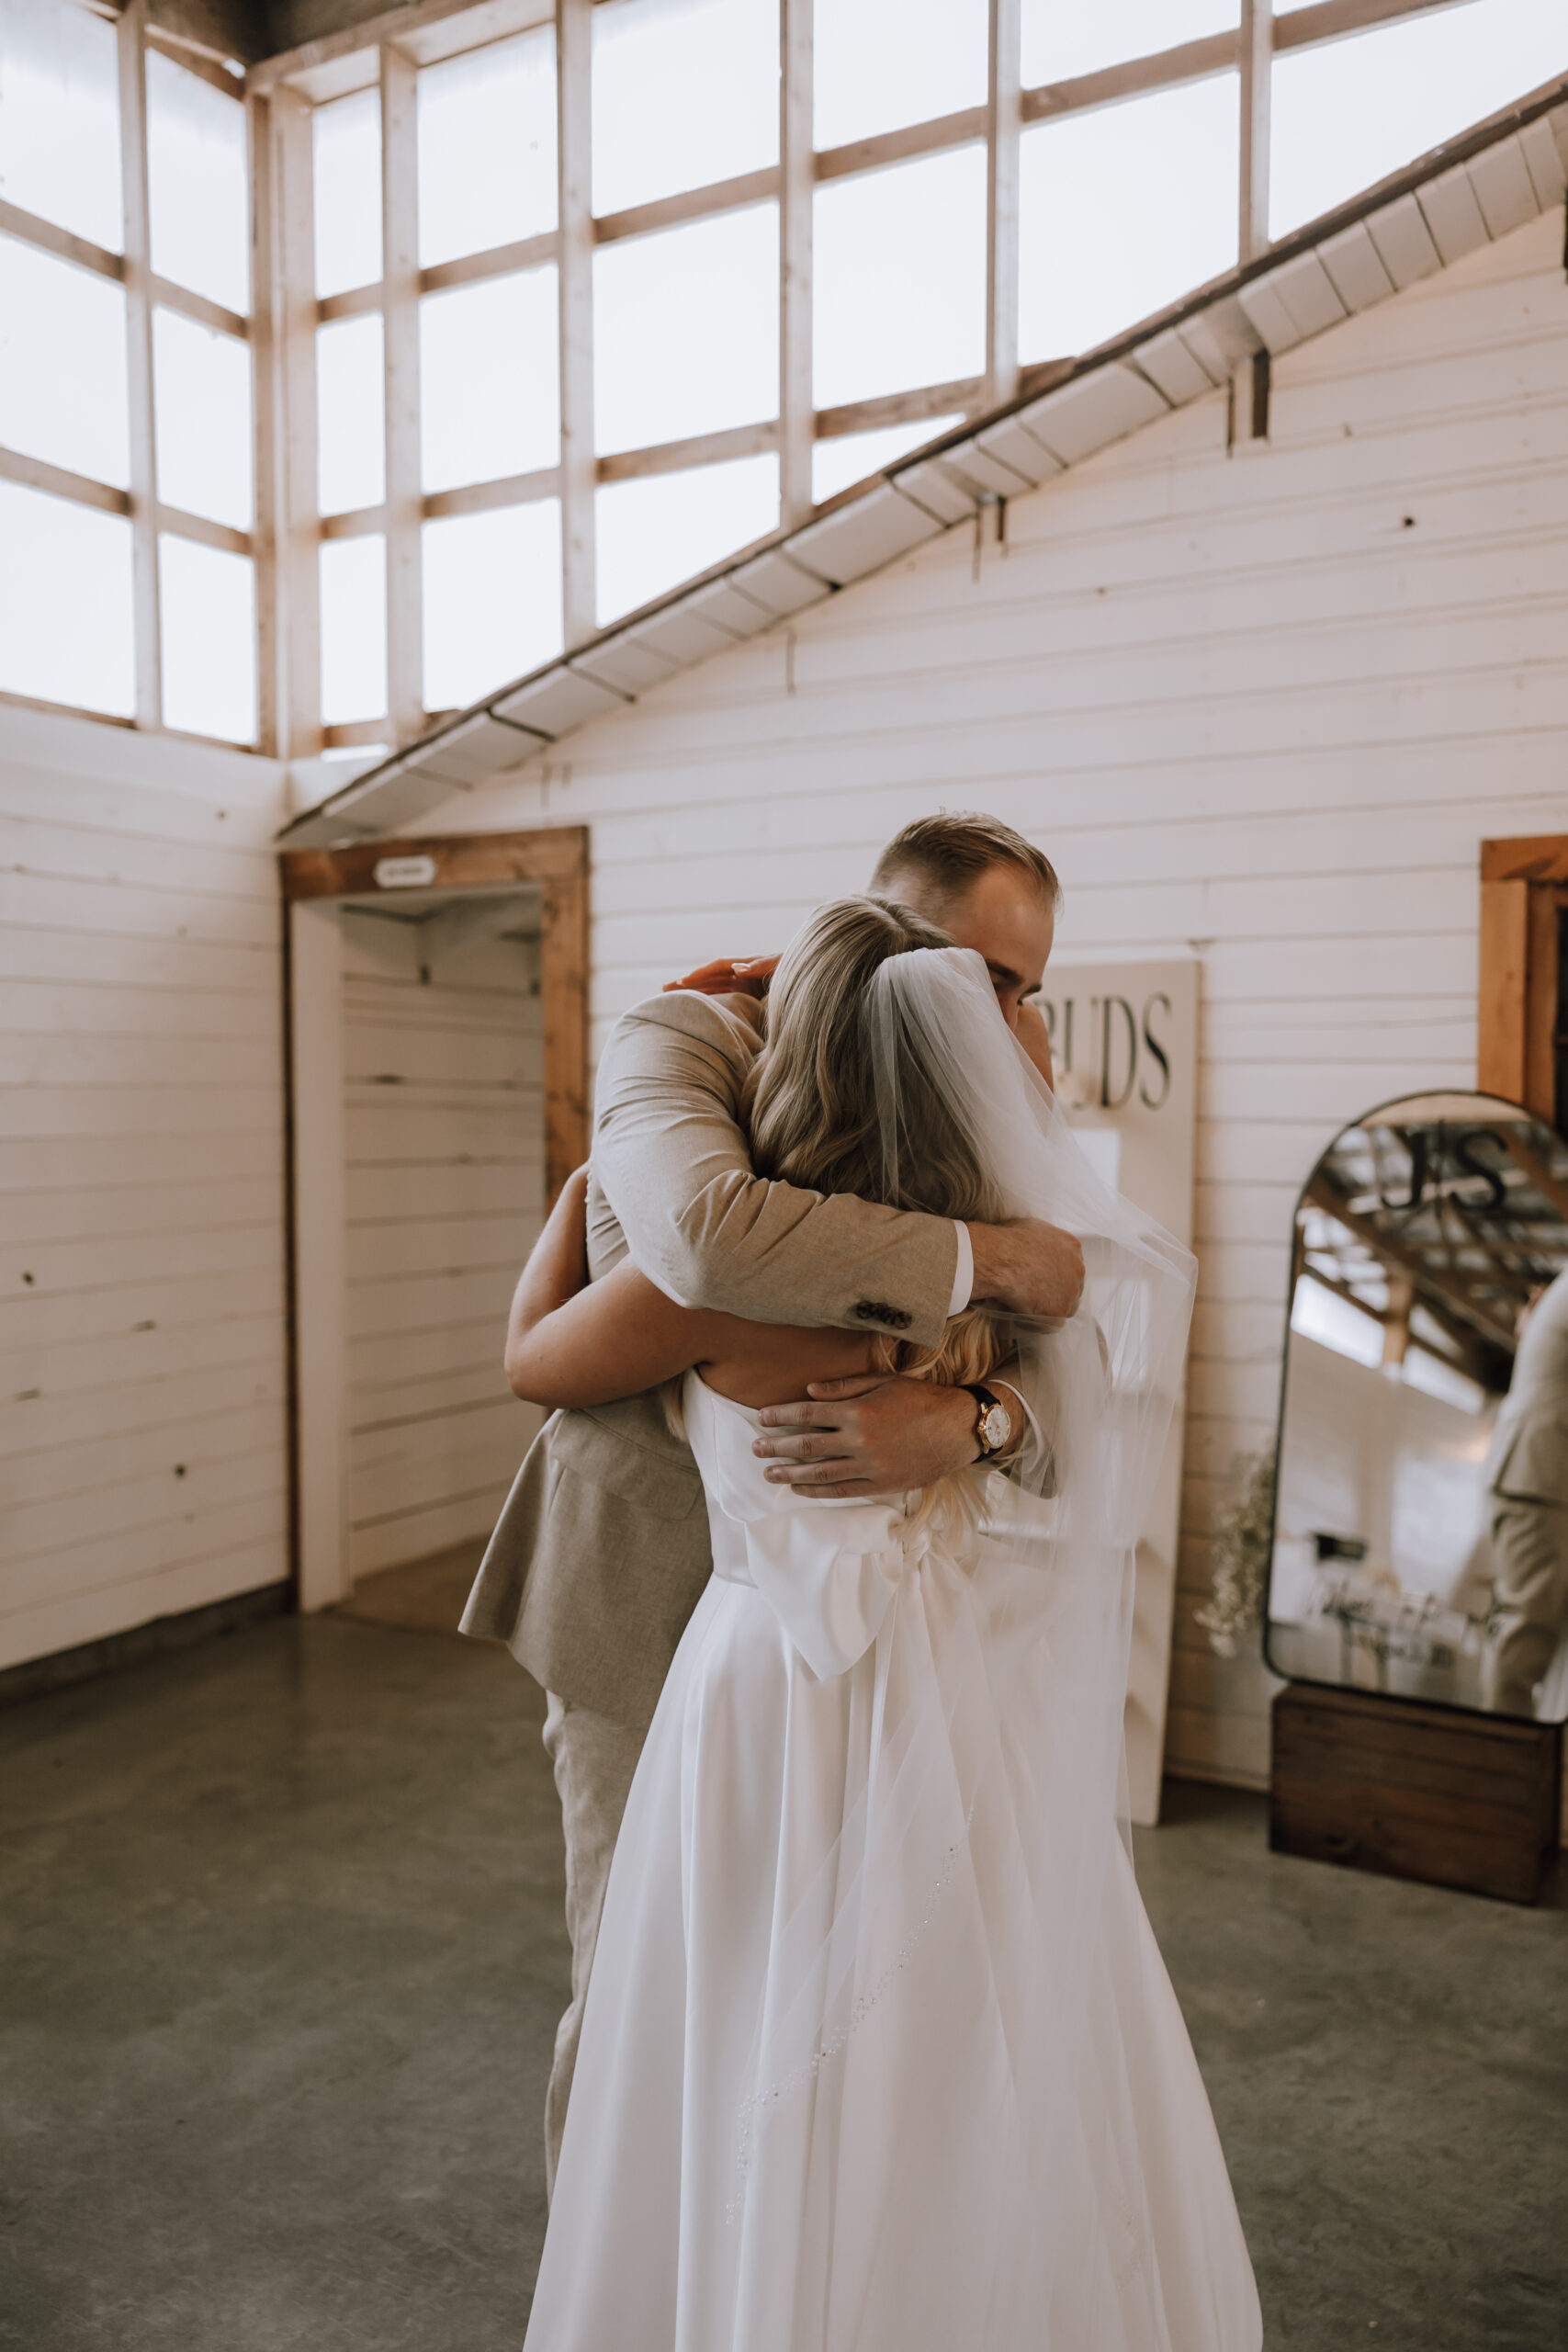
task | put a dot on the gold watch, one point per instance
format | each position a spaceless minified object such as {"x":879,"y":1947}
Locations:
{"x":993,"y":1428}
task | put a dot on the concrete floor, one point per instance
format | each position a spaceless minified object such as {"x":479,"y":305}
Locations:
{"x":282,"y":1954}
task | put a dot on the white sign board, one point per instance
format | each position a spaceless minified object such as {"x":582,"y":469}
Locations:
{"x":1125,"y":1043}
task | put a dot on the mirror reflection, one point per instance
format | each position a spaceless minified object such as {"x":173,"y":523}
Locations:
{"x":1421,"y":1522}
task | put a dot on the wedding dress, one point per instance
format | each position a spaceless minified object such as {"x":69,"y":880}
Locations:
{"x":879,"y":2053}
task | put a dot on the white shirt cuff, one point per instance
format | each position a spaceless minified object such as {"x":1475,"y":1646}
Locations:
{"x":964,"y":1272}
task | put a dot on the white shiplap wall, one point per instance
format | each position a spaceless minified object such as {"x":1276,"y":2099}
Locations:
{"x":444,"y":1196}
{"x":1263,"y":707}
{"x":143,"y":1466}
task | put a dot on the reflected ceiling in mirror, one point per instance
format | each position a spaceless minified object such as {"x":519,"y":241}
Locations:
{"x":1420,"y":1539}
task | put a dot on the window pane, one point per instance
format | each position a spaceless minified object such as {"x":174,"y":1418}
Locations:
{"x":1060,"y":41}
{"x":898,"y":292}
{"x":353,"y":629}
{"x":65,"y":602}
{"x":656,"y":532}
{"x":493,"y":600}
{"x":60,"y":117}
{"x":346,"y":168}
{"x":62,"y":365}
{"x":850,"y":457}
{"x":351,"y":415}
{"x":207,"y":603}
{"x":489,"y":380}
{"x":880,"y":63}
{"x":487,"y":147}
{"x":686,"y":330}
{"x":1353,"y":110}
{"x":686,"y":92}
{"x":197,"y":185}
{"x":202,"y":409}
{"x":1121,"y":210}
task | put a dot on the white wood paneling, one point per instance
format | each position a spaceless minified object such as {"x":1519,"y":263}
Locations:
{"x":1258,"y":708}
{"x":443,"y":1118}
{"x":143,"y":1444}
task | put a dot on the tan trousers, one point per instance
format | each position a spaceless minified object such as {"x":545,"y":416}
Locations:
{"x":594,"y":1760}
{"x":1530,"y":1557}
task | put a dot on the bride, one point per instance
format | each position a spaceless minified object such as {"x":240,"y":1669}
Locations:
{"x":879,"y":2054}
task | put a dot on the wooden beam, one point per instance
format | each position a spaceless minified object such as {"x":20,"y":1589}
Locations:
{"x":1541,"y":984}
{"x":574,"y":111}
{"x":1331,"y":20}
{"x":1004,"y":121}
{"x":1255,"y":53}
{"x":1191,"y":60}
{"x":1530,"y":1162}
{"x":564,"y":987}
{"x":171,"y":297}
{"x":899,"y":408}
{"x":902,"y":145}
{"x":1431,"y":1284}
{"x":399,"y":306}
{"x":496,"y":261}
{"x":58,"y":481}
{"x":1540,"y":857}
{"x":690,"y":204}
{"x":317,"y":1237}
{"x":287,"y":525}
{"x":129,"y":32}
{"x":701,"y":449}
{"x":31,"y":229}
{"x":796,"y":166}
{"x":1505,"y":970}
{"x":462,"y":861}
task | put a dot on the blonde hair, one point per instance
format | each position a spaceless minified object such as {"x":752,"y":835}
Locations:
{"x":810,"y":1101}
{"x":948,"y":854}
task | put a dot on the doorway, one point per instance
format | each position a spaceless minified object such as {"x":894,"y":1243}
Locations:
{"x":1523,"y":1046}
{"x":437,"y":1024}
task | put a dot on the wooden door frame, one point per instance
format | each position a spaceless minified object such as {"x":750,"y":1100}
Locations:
{"x":313,"y":883}
{"x":1521,"y":882}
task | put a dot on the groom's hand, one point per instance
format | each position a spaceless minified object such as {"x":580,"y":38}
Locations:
{"x":872,"y":1435}
{"x":1029,"y":1267}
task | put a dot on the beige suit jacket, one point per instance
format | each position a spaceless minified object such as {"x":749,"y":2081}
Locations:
{"x":601,"y":1551}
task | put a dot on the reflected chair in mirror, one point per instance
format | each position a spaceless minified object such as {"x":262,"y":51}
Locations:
{"x":1418,"y":1595}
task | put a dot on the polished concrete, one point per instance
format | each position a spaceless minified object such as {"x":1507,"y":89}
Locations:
{"x":281,"y":1951}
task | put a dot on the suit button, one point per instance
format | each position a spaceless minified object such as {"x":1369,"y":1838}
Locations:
{"x":866,"y":1310}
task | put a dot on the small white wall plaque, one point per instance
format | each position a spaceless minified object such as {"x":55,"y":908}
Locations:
{"x":404,"y":872}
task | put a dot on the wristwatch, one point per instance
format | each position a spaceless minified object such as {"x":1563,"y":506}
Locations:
{"x":993,"y":1428}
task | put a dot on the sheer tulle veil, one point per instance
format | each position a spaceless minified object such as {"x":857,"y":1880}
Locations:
{"x":981,"y":1833}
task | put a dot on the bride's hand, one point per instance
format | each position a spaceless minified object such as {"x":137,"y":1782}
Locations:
{"x":557,"y":1268}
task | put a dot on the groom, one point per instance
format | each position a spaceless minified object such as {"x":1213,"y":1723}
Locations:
{"x":601,"y":1553}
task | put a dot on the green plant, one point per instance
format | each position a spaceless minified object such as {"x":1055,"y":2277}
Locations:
{"x":1242,"y":1529}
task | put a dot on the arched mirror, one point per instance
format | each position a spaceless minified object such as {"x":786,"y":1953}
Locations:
{"x":1420,"y":1539}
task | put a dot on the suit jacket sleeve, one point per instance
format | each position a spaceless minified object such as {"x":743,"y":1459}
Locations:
{"x":674,"y":1166}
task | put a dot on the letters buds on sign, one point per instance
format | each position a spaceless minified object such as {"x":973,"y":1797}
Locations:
{"x":404,"y":872}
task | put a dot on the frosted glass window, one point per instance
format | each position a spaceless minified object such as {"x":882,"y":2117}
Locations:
{"x":686,"y":92}
{"x":199,"y":201}
{"x":202,"y":407}
{"x":66,"y":625}
{"x":1061,"y":39}
{"x":898,"y":278}
{"x":878,"y":65}
{"x":1123,"y":211}
{"x":1351,"y":112}
{"x":60,"y":117}
{"x":351,"y":415}
{"x":353,"y":577}
{"x":686,"y":330}
{"x":489,"y":380}
{"x":62,"y":365}
{"x":487,"y":147}
{"x":493,"y":600}
{"x":347,"y":180}
{"x":208,"y":605}
{"x":661,"y":529}
{"x":850,"y":457}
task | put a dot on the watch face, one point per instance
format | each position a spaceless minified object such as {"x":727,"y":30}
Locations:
{"x":997,"y":1426}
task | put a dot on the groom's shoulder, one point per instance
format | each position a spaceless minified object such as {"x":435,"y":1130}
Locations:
{"x":727,"y":1025}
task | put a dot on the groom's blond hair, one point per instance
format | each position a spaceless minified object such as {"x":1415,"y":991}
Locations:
{"x":946,"y":855}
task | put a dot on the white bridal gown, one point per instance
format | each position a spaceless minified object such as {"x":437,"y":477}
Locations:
{"x":879,"y":2053}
